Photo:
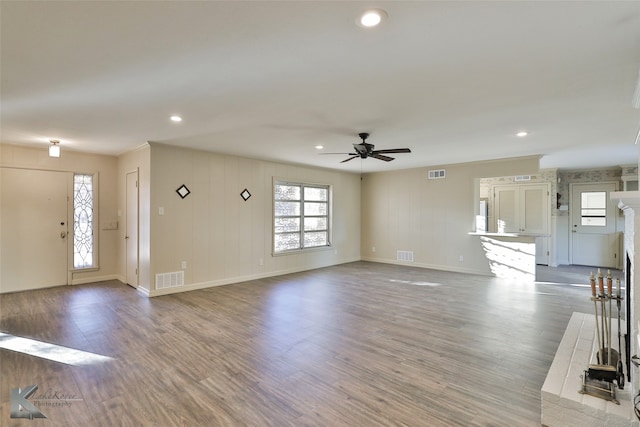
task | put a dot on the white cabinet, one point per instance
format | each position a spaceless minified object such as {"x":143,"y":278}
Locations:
{"x":524,"y":209}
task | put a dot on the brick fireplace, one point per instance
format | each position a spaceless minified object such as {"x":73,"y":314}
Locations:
{"x":562,"y":404}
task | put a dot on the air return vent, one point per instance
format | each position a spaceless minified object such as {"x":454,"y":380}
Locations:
{"x":406,"y":256}
{"x":437,"y":174}
{"x":169,"y":280}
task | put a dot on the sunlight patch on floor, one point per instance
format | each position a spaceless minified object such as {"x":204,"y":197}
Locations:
{"x":54,"y":352}
{"x":409,"y":282}
{"x":510,"y":259}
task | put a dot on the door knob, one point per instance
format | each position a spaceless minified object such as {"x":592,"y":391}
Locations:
{"x":63,"y":234}
{"x":126,"y":237}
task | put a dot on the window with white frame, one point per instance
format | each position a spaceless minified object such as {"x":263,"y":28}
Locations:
{"x":83,"y":222}
{"x":593,"y":209}
{"x":301,"y":216}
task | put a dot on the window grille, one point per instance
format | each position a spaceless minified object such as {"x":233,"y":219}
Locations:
{"x":301,"y":216}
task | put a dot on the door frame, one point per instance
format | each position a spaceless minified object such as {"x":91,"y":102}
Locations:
{"x":135,"y":174}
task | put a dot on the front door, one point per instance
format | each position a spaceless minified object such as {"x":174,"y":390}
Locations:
{"x":34,"y":229}
{"x":594,"y":240}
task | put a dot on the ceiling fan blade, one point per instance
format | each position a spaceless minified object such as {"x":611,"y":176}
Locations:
{"x":375,"y":155}
{"x":393,"y":150}
{"x":348,"y":154}
{"x":350,"y":158}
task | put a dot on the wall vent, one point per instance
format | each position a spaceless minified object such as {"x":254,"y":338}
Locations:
{"x":169,"y":280}
{"x":406,"y":256}
{"x":520,"y":178}
{"x":437,"y":174}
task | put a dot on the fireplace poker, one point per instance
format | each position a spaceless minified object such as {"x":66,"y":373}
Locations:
{"x":592,"y":280}
{"x":620,"y":366}
{"x":610,"y":292}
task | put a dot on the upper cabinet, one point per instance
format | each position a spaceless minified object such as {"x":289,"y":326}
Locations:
{"x":522,"y":209}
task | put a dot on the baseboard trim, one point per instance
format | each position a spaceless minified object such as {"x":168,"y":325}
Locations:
{"x":429,"y":266}
{"x":94,"y":279}
{"x":237,"y":279}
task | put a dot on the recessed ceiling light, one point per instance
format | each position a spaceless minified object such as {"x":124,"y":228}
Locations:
{"x":319,"y":147}
{"x":176,"y":119}
{"x":372,"y":18}
{"x":522,"y":134}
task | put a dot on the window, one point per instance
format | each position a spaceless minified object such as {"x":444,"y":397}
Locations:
{"x":83,"y":221}
{"x":593,"y":209}
{"x":301,"y":216}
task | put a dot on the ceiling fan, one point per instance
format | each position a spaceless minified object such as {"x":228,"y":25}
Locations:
{"x":364,"y":150}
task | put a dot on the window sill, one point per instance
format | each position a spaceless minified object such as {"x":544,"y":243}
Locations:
{"x":302,"y":251}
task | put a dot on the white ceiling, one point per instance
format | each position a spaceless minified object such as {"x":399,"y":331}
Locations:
{"x":453,"y":81}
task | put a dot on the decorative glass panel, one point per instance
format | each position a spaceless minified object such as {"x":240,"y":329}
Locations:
{"x":312,"y":208}
{"x":283,"y":225}
{"x":315,"y":239}
{"x":286,"y":192}
{"x":315,"y":194}
{"x":83,"y":221}
{"x":287,"y":208}
{"x":315,"y":223}
{"x":286,"y":242}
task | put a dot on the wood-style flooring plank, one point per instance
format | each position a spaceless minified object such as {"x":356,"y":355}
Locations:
{"x":350,"y":345}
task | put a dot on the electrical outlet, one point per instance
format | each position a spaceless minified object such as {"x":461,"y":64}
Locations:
{"x":184,"y":265}
{"x":373,"y":248}
{"x":461,"y":259}
{"x":261,"y":261}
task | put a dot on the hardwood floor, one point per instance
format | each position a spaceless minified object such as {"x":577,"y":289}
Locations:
{"x":359,"y":344}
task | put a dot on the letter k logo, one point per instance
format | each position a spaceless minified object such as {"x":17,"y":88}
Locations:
{"x":21,"y":407}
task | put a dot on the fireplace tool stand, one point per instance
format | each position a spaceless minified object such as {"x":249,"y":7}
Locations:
{"x":602,"y":379}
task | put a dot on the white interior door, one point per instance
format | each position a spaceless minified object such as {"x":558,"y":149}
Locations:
{"x":34,"y":229}
{"x":131,"y":229}
{"x":594,"y":240}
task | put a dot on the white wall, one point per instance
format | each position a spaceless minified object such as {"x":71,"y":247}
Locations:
{"x":403,"y":210}
{"x":224,"y":239}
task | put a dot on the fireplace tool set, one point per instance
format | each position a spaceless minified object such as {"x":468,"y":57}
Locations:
{"x":601,"y":379}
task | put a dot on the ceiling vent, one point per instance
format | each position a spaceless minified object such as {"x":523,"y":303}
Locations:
{"x":437,"y":174}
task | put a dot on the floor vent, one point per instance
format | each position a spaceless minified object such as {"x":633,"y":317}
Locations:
{"x":406,"y":256}
{"x":169,"y":280}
